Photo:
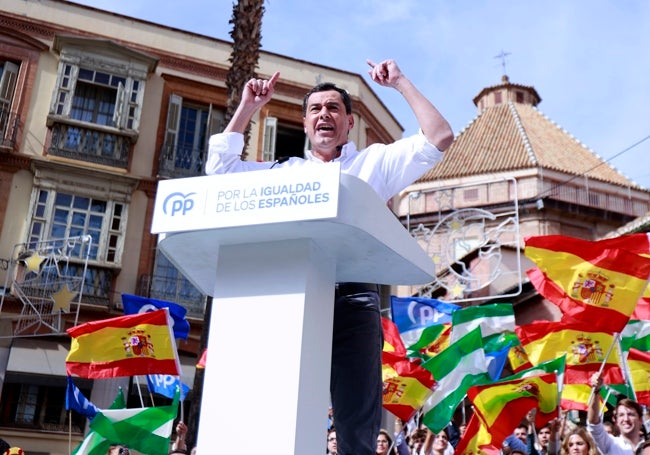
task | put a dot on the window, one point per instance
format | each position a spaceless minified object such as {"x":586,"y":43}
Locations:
{"x":58,"y":215}
{"x":37,"y":402}
{"x":169,"y":284}
{"x":96,"y":107}
{"x":497,"y":97}
{"x":188,"y":129}
{"x":282,"y":139}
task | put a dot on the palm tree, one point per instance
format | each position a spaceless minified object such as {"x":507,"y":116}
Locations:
{"x":247,"y":40}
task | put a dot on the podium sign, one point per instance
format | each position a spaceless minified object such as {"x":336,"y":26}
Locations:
{"x":246,"y":198}
{"x":269,"y":247}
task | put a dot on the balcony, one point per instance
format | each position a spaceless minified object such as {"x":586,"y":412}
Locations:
{"x":178,"y":162}
{"x":9,"y":124}
{"x":100,"y":145}
{"x":173,"y":289}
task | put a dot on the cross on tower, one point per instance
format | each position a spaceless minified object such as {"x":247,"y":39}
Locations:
{"x":502,"y":55}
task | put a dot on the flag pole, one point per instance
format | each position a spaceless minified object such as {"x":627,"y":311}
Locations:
{"x":602,"y":365}
{"x":137,"y":383}
{"x":69,"y":431}
{"x":626,"y":368}
{"x":180,"y":385}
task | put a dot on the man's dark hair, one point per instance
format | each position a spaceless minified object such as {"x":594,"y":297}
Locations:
{"x":326,"y":87}
{"x":630,"y":404}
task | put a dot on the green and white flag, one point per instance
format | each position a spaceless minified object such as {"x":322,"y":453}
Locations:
{"x":636,"y":334}
{"x":93,"y":443}
{"x":147,"y":430}
{"x":496,"y":320}
{"x":455,"y":370}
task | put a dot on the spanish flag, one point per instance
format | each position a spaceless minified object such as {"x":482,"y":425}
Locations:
{"x":137,"y":344}
{"x":638,"y":243}
{"x":589,"y":281}
{"x":639,"y":366}
{"x":476,"y":440}
{"x":502,"y":405}
{"x":406,"y":385}
{"x":585,"y":348}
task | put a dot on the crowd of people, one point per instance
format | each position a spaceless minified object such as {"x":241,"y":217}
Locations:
{"x":624,"y":432}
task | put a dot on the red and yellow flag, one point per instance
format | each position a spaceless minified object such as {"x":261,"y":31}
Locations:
{"x":575,"y":396}
{"x":476,"y":440}
{"x":137,"y":344}
{"x":638,"y":243}
{"x":585,"y":348}
{"x":406,"y":384}
{"x":502,"y":405}
{"x":590,"y":281}
{"x":392,"y":340}
{"x":639,"y":366}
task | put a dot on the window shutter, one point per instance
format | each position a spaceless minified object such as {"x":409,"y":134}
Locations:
{"x":120,"y":103}
{"x":268,"y":139}
{"x":216,"y":121}
{"x":171,"y":128}
{"x":8,"y":83}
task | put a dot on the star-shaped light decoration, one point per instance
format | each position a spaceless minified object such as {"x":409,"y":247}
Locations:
{"x":62,"y":299}
{"x":33,"y":263}
{"x":457,"y":290}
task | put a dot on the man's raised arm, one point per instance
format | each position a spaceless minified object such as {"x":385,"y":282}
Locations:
{"x":434,"y":126}
{"x":256,"y":93}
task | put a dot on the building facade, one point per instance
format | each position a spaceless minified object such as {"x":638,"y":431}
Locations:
{"x":95,"y":109}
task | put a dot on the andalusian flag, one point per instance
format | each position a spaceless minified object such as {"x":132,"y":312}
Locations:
{"x":146,"y":430}
{"x":585,"y":348}
{"x":138,"y":344}
{"x":406,"y":384}
{"x":502,"y":405}
{"x":95,"y":444}
{"x":636,"y":335}
{"x":587,"y":280}
{"x":433,"y":340}
{"x":476,"y":440}
{"x":455,"y":370}
{"x":494,"y":319}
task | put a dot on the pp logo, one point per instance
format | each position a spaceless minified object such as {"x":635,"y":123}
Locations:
{"x":178,"y":203}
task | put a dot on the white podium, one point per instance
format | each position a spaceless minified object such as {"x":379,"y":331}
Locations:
{"x":269,"y":247}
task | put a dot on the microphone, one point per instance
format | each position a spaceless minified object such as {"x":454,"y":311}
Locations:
{"x":280,"y":160}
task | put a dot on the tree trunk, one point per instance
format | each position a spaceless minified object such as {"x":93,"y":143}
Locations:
{"x":247,"y":40}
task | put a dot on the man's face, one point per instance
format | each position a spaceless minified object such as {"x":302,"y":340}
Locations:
{"x":544,"y":436}
{"x":521,"y":434}
{"x":628,"y":421}
{"x":326,"y":123}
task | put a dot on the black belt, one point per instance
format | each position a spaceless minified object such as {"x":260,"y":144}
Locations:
{"x":355,"y":288}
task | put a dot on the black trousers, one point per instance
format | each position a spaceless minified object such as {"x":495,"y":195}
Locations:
{"x":356,"y":383}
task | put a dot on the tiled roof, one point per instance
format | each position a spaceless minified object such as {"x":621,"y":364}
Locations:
{"x":516,"y":136}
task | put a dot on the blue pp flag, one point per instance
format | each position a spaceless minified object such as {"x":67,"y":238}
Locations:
{"x":134,"y":304}
{"x":412,"y":315}
{"x":165,"y":385}
{"x":76,"y":401}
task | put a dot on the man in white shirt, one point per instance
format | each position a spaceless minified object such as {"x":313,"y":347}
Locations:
{"x":356,"y":384}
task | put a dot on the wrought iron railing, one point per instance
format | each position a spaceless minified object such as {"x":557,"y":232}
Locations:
{"x":9,"y":124}
{"x":89,"y":144}
{"x":177,"y":290}
{"x":176,"y":162}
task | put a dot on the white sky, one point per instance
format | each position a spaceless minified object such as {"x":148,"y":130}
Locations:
{"x":589,"y":60}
